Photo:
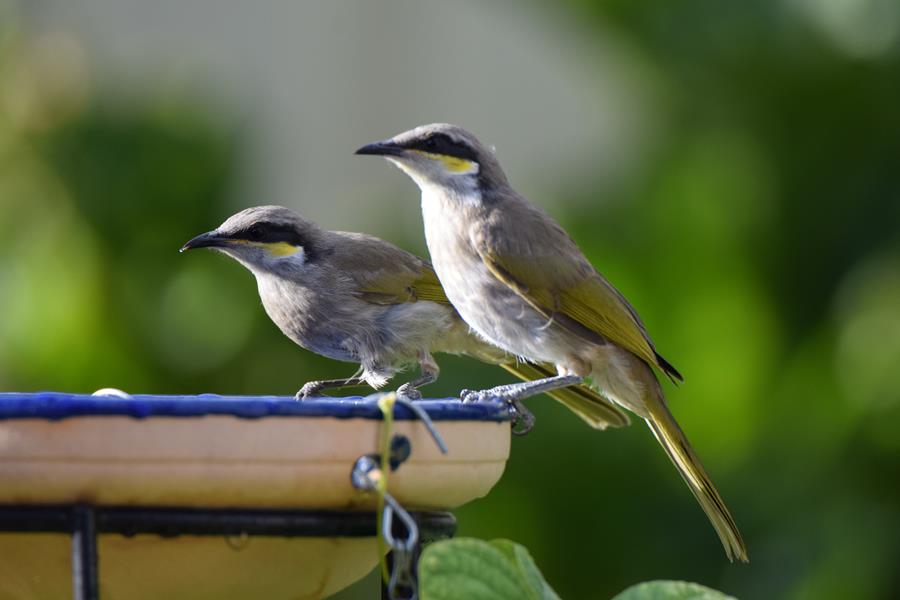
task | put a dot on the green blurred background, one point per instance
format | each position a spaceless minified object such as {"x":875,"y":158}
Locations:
{"x":734,"y":168}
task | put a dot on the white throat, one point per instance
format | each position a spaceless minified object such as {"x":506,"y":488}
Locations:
{"x":438,"y":198}
{"x":461,"y":186}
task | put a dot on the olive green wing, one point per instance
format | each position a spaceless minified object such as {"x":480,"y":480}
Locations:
{"x":385,"y":274}
{"x":568,"y":291}
{"x":599,"y":306}
{"x":427,"y":286}
{"x":399,"y":287}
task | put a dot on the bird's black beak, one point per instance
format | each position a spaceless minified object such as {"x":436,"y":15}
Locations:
{"x":210,"y":239}
{"x":382,"y":148}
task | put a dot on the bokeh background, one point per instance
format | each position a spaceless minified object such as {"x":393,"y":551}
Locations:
{"x":734,"y":168}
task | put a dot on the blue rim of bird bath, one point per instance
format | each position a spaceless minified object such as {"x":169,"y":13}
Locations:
{"x":54,"y":406}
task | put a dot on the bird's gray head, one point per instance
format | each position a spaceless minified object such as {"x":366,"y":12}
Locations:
{"x":441,"y":155}
{"x":265,"y":239}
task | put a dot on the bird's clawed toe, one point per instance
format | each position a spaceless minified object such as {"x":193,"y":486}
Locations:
{"x":523,"y":419}
{"x":309,"y":390}
{"x":473,"y":396}
{"x":409,"y":392}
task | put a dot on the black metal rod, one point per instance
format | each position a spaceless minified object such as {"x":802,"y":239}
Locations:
{"x":45,"y":519}
{"x":173,"y":522}
{"x":85,"y":579}
{"x":85,"y":522}
{"x":198,"y":521}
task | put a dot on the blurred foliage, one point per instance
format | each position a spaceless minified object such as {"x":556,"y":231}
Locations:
{"x":760,"y":240}
{"x":97,"y":196}
{"x":671,"y":590}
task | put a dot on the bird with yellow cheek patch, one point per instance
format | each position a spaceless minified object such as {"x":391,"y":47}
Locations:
{"x":359,"y":299}
{"x":520,"y":281}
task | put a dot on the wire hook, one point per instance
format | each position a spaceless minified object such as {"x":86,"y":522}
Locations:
{"x":429,"y":424}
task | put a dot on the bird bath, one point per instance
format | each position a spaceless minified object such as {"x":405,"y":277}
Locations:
{"x":217,"y":453}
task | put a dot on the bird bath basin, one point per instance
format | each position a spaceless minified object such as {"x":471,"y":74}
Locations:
{"x":215,"y":452}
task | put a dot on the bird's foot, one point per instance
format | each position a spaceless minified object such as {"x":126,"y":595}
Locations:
{"x":473,"y":396}
{"x":504,"y":393}
{"x":309,"y":390}
{"x":409,"y":392}
{"x":523,"y":419}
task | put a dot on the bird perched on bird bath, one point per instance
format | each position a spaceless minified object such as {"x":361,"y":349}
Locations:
{"x":520,"y":281}
{"x":356,"y":298}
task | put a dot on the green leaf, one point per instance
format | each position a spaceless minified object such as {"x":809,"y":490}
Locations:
{"x":671,"y":590}
{"x":520,"y":556}
{"x":467,"y":568}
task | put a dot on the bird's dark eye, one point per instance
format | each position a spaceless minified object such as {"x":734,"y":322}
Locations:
{"x":431,"y":143}
{"x":256,"y":232}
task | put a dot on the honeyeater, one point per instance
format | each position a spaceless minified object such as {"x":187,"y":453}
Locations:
{"x":356,"y":298}
{"x":518,"y":279}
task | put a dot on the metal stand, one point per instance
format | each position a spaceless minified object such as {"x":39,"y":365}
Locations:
{"x":84,"y":522}
{"x":85,"y":578}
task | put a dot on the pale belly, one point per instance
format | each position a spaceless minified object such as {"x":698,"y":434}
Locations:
{"x":491,"y":308}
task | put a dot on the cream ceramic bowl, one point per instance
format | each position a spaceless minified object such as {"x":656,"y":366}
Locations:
{"x":223,"y":452}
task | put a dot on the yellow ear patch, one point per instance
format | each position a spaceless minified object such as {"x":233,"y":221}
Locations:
{"x":281,"y":249}
{"x":452,"y":163}
{"x":457,"y":165}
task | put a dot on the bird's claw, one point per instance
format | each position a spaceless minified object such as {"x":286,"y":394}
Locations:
{"x":473,"y":396}
{"x":409,"y":392}
{"x":308,"y":391}
{"x":523,"y":419}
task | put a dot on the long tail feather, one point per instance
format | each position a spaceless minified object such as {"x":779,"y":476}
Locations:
{"x":676,"y":445}
{"x":594,"y":409}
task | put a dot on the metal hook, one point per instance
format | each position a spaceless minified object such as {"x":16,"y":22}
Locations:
{"x":429,"y":424}
{"x":412,"y":538}
{"x":402,"y":583}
